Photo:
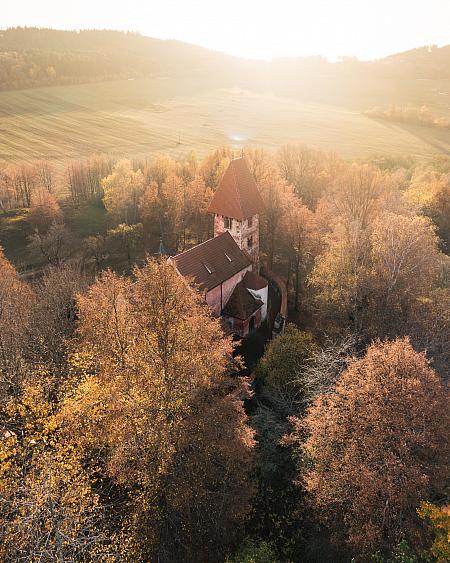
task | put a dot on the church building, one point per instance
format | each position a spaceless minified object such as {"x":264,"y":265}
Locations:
{"x":226,"y":267}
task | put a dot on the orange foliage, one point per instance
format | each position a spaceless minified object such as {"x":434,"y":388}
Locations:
{"x":376,"y":446}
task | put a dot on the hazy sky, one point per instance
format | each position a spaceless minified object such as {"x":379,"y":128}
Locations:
{"x":254,"y":28}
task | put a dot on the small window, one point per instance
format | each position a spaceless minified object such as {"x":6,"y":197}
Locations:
{"x":227,"y":223}
{"x":228,"y":258}
{"x":250,"y":242}
{"x":250,"y":222}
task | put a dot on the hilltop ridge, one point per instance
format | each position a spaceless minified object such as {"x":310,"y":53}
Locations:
{"x":33,"y":57}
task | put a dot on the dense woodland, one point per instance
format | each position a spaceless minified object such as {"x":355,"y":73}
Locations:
{"x":31,"y":57}
{"x":129,"y":430}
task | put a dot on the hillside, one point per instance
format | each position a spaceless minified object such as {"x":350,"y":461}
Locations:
{"x":200,"y":112}
{"x":424,"y":62}
{"x":72,"y":94}
{"x":31,"y":57}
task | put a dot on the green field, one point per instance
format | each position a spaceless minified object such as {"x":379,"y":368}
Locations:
{"x":168,"y":115}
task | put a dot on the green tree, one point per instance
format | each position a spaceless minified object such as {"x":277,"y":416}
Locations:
{"x":286,"y":358}
{"x":252,"y":552}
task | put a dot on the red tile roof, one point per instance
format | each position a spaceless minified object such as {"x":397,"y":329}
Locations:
{"x":253,"y":281}
{"x":237,"y":195}
{"x":212,"y":262}
{"x":241,"y":304}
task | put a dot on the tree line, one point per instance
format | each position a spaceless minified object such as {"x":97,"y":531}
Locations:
{"x":34,"y":57}
{"x":409,"y":114}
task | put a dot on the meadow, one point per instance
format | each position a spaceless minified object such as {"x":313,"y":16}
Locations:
{"x":176,"y":114}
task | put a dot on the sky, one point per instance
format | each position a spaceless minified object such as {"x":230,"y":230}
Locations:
{"x":262,"y":29}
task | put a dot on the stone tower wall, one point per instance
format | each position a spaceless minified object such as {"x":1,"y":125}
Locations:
{"x":241,"y":232}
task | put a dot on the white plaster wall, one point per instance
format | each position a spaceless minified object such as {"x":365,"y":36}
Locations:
{"x":262,"y":294}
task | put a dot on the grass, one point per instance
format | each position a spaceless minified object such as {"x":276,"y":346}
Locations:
{"x":174,"y":115}
{"x":14,"y":233}
{"x":86,"y":220}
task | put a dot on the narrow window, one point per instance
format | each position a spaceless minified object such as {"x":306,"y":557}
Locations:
{"x":249,"y":222}
{"x":227,"y":223}
{"x":250,"y":242}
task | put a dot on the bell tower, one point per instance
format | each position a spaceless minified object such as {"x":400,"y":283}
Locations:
{"x":237,"y":205}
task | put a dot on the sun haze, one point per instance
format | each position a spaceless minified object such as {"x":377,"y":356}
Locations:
{"x":261,"y":29}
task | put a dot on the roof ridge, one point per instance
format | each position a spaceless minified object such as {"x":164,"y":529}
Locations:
{"x":238,"y":301}
{"x":238,"y":194}
{"x":204,"y":242}
{"x":212,"y":252}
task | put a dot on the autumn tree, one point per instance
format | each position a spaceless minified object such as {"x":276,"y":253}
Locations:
{"x":15,"y":306}
{"x":356,"y":194}
{"x":7,"y":200}
{"x":438,"y":518}
{"x":127,"y":238}
{"x":122,"y":191}
{"x":214,"y":165}
{"x":158,"y":170}
{"x":438,"y":209}
{"x":195,"y":219}
{"x":262,"y":165}
{"x":44,"y":210}
{"x":84,"y":178}
{"x":95,"y":247}
{"x":326,"y":364}
{"x":48,"y":509}
{"x":53,"y":314}
{"x":54,"y":246}
{"x":301,"y":242}
{"x":406,"y":264}
{"x":187,"y":167}
{"x":340,"y":277}
{"x":307,"y":169}
{"x":372,"y":279}
{"x":45,"y":175}
{"x":158,"y":416}
{"x":25,"y":182}
{"x":278,"y":196}
{"x":376,"y":446}
{"x":161,"y":208}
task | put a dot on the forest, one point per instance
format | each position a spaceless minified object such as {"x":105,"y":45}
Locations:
{"x":34,"y":57}
{"x":131,"y":428}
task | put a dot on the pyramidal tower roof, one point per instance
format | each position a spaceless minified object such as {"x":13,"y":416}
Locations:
{"x":237,"y":196}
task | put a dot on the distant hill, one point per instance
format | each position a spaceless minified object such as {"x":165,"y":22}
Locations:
{"x":425,"y":62}
{"x":31,"y":57}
